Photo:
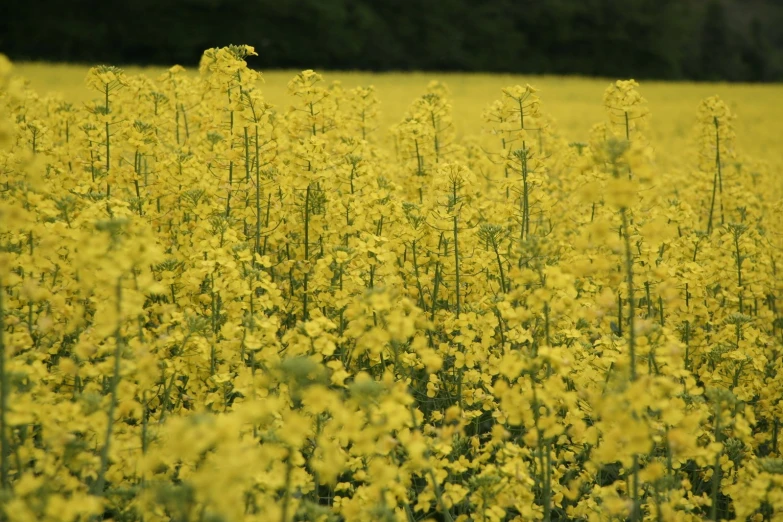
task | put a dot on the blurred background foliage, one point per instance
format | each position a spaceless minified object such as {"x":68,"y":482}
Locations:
{"x":731,"y":40}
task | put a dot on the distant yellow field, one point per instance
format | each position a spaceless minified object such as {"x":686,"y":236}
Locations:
{"x":574,"y":102}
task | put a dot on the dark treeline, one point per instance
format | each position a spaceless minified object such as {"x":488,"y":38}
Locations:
{"x":734,"y":40}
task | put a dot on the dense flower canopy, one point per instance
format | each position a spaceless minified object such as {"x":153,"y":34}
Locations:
{"x":212,"y":308}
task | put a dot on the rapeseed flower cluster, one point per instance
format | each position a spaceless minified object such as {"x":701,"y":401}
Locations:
{"x":215,"y":309}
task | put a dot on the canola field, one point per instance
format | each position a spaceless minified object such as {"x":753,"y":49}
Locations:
{"x":228,"y":299}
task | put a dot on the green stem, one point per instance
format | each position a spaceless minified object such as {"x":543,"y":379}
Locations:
{"x":108,"y":162}
{"x":5,"y":450}
{"x":306,"y":252}
{"x":547,"y":484}
{"x":525,"y":195}
{"x":289,"y":467}
{"x":717,"y":179}
{"x":716,"y":469}
{"x":636,"y":514}
{"x":100,"y":482}
{"x":503,"y":287}
{"x":435,"y":287}
{"x":456,"y":263}
{"x":739,"y":267}
{"x":422,"y":304}
{"x":439,"y":497}
{"x":258,"y":197}
{"x":631,"y":301}
{"x":627,"y":127}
